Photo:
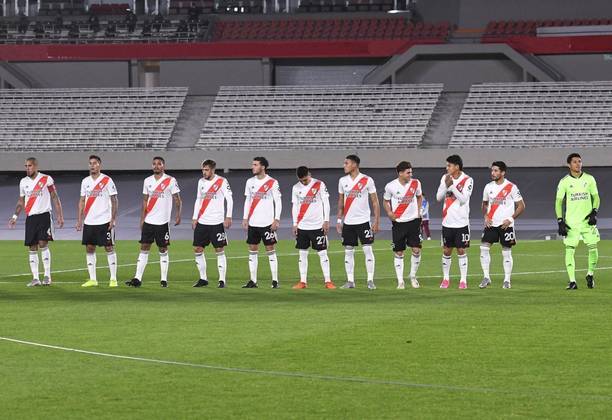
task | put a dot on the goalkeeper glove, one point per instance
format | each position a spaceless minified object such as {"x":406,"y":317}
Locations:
{"x":563,"y":228}
{"x":592,"y":217}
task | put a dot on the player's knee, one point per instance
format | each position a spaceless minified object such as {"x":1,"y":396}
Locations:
{"x":163,"y":250}
{"x":109,"y":249}
{"x":145,"y":247}
{"x":416,"y":251}
{"x":34,"y":247}
{"x":198,"y":249}
{"x":447,"y":252}
{"x":399,"y":254}
{"x":90,"y":249}
{"x":270,"y":248}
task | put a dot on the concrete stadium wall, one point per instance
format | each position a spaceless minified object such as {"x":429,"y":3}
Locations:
{"x":89,"y":74}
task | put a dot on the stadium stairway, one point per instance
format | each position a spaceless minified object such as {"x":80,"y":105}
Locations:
{"x":190,"y":122}
{"x":443,"y":120}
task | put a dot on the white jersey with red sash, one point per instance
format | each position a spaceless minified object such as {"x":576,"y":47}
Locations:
{"x":310,"y":205}
{"x":403,"y":199}
{"x":356,"y":198}
{"x":209,"y":208}
{"x":263,"y":201}
{"x":159,"y":204}
{"x":501,"y":199}
{"x":456,"y":210}
{"x":36,"y":193}
{"x":97,"y":193}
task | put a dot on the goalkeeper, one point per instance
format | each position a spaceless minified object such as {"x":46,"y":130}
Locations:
{"x":579,"y":190}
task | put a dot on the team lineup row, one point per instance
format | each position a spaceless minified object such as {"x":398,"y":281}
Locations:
{"x":577,"y":203}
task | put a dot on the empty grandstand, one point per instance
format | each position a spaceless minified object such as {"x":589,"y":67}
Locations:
{"x":568,"y":114}
{"x":86,"y":119}
{"x":319,"y":117}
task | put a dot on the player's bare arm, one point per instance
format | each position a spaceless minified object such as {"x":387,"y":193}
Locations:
{"x":80,"y":207}
{"x":485,"y":212}
{"x":420,"y":205}
{"x":178,"y":206}
{"x":387,"y":207}
{"x":13,"y":219}
{"x":114,"y":208}
{"x":58,"y":208}
{"x":519,"y":208}
{"x":376,"y":208}
{"x":340,"y":213}
{"x":143,"y":211}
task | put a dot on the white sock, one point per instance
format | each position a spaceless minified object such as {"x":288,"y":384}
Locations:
{"x":273,"y":265}
{"x":201,"y":264}
{"x":508,"y":262}
{"x":349,"y":263}
{"x":253,"y":265}
{"x":446,"y":266}
{"x":221,"y":265}
{"x":33,"y":259}
{"x":463,"y":267}
{"x":112,"y":264}
{"x":45,"y":253}
{"x":141,"y":264}
{"x":164,"y":263}
{"x":303,"y":265}
{"x":325,"y":265}
{"x":415,"y":261}
{"x":370,"y":261}
{"x":485,"y":260}
{"x":91,"y":266}
{"x":399,"y":268}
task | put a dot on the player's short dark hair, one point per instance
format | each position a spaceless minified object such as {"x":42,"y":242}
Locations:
{"x":302,"y":171}
{"x":32,"y":160}
{"x":572,"y":156}
{"x":262,"y":161}
{"x":161,"y":159}
{"x":96,"y":158}
{"x":402,"y":166}
{"x":210,"y":163}
{"x":354,"y":158}
{"x":501,"y":165}
{"x":455,"y":160}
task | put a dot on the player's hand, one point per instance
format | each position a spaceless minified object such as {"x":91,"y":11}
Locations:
{"x":294,"y":230}
{"x":177,"y":221}
{"x":227,"y":223}
{"x":448,"y":180}
{"x":563,"y":227}
{"x":245,"y":224}
{"x":112,"y":224}
{"x":194,"y":223}
{"x":325,"y":228}
{"x":339,"y":228}
{"x":12,"y":222}
{"x":375,"y":227}
{"x":487,"y":221}
{"x":506,"y":224}
{"x":592,"y":217}
{"x":78,"y":226}
{"x":60,"y":222}
{"x":141,"y":223}
{"x":275,"y":225}
{"x":392,"y":217}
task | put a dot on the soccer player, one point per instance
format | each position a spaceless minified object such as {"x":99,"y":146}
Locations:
{"x":210,"y":219}
{"x":425,"y":217}
{"x":455,"y":190}
{"x":353,"y":222}
{"x":36,"y":192}
{"x":579,"y":190}
{"x":96,"y":217}
{"x":261,"y":218}
{"x":402,"y":201}
{"x":310,"y":212}
{"x":160,"y":191}
{"x":502,"y":203}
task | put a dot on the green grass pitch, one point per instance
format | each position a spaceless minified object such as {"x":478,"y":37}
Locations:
{"x":536,"y":350}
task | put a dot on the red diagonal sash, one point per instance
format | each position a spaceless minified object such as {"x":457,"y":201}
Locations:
{"x":450,"y":200}
{"x":39,"y":186}
{"x":311,"y":193}
{"x":499,"y":197}
{"x":360,"y":185}
{"x":99,"y":187}
{"x":159,"y":189}
{"x":262,"y":190}
{"x":399,"y":211}
{"x":206,"y":200}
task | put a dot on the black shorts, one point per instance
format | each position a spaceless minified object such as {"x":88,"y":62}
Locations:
{"x":352,"y":233}
{"x":256,"y":235}
{"x":98,"y":235}
{"x":160,"y":234}
{"x":456,"y":237}
{"x":38,"y":227}
{"x":307,"y":238}
{"x":506,"y":238}
{"x":203,"y":235}
{"x":406,"y":234}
